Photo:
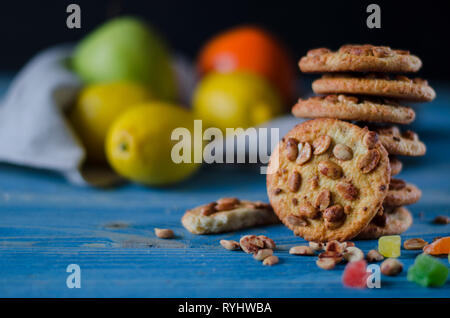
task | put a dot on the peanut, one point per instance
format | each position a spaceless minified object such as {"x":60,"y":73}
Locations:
{"x":301,"y":250}
{"x":330,"y":169}
{"x":262,"y":254}
{"x":230,"y":245}
{"x":391,"y":267}
{"x":164,"y":233}
{"x":342,"y":152}
{"x":271,"y":260}
{"x":321,"y":144}
{"x":374,"y":256}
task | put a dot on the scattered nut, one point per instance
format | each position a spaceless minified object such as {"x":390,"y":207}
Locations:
{"x":353,"y":254}
{"x":336,"y":256}
{"x":342,"y":152}
{"x":292,"y":149}
{"x":323,"y":200}
{"x":268,"y":242}
{"x":347,"y":190}
{"x":294,"y":181}
{"x":251,"y":244}
{"x":391,"y":267}
{"x":374,"y":256}
{"x":226,"y":204}
{"x":164,"y":233}
{"x":441,"y":219}
{"x":262,"y":254}
{"x":369,"y":161}
{"x":271,"y":260}
{"x":414,"y":244}
{"x":321,"y":144}
{"x":301,"y":250}
{"x":230,"y":245}
{"x":326,"y":263}
{"x":296,"y":220}
{"x":335,"y":246}
{"x":316,"y":246}
{"x":304,"y":153}
{"x":330,"y":169}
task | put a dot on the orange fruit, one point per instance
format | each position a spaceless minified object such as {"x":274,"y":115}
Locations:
{"x":250,"y":48}
{"x":438,"y":247}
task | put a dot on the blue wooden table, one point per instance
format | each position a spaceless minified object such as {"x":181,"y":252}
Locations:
{"x":47,"y":224}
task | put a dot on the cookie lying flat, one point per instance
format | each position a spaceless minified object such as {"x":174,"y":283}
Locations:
{"x":396,"y":165}
{"x":400,"y":87}
{"x":359,"y":58}
{"x":331,"y":179}
{"x":353,"y":108}
{"x":394,"y":221}
{"x":398,"y":143}
{"x":402,"y":193}
{"x":226,"y":215}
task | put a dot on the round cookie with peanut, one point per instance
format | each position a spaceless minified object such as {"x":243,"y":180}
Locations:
{"x":327,"y":179}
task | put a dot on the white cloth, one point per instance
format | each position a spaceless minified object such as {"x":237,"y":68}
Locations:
{"x":33,"y":129}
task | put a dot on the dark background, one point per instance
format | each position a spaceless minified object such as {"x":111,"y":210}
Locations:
{"x":423,"y":28}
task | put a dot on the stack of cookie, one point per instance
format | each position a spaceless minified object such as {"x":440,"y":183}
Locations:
{"x":331,"y":175}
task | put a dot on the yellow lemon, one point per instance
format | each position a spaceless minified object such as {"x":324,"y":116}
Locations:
{"x":235,"y":99}
{"x":97,"y":107}
{"x":139,"y":144}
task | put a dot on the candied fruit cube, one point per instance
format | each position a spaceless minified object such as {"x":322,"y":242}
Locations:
{"x":438,"y":247}
{"x":428,"y":271}
{"x":355,"y":274}
{"x":389,"y":246}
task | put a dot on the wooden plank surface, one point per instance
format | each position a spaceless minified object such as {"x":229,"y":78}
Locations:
{"x":47,"y":224}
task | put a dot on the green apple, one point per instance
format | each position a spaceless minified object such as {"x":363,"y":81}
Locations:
{"x":126,"y":49}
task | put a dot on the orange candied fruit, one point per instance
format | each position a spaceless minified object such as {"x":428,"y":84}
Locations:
{"x":438,"y":247}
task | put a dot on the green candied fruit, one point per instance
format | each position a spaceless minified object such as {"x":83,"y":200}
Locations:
{"x":428,"y":271}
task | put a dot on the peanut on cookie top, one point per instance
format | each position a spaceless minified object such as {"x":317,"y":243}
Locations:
{"x":330,"y":179}
{"x":359,"y":58}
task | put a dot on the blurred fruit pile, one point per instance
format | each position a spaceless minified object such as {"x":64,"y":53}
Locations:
{"x":128,"y":108}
